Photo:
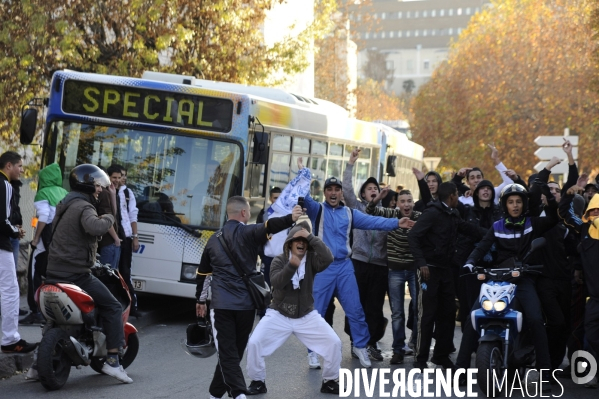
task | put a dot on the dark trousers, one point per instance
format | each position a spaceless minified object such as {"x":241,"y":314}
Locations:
{"x":110,"y":309}
{"x":555,"y":296}
{"x":436,"y":311}
{"x":591,"y":324}
{"x":232,"y":330}
{"x":125,"y":268}
{"x":34,"y":278}
{"x":373,"y":281}
{"x":527,"y":300}
{"x":577,"y":310}
{"x":468,"y":292}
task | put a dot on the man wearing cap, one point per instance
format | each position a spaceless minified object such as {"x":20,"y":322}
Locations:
{"x":333,"y":222}
{"x":369,"y":257}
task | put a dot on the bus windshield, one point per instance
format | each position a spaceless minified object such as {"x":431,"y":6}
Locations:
{"x":175,"y":179}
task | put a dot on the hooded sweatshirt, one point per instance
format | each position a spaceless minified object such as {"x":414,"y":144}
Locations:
{"x":369,"y":246}
{"x":291,"y":302}
{"x":587,"y":228}
{"x":483,"y":217}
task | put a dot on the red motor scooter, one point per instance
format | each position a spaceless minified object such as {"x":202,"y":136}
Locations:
{"x":73,"y":334}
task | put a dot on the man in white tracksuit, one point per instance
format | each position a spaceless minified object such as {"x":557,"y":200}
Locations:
{"x":292,"y":311}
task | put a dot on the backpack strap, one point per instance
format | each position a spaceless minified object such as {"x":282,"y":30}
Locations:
{"x":127,"y":198}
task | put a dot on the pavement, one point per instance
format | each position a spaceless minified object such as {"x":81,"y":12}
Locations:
{"x":153,"y":309}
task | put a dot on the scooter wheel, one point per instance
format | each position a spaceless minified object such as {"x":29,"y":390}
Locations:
{"x":53,"y":364}
{"x":489,"y":361}
{"x":125,"y":360}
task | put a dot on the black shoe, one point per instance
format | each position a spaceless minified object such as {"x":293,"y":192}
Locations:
{"x":397,"y":358}
{"x":135,"y":313}
{"x":256,"y":387}
{"x":420,"y":365}
{"x":33,"y":318}
{"x":19,"y":347}
{"x":446,"y":363}
{"x":23,"y":312}
{"x":330,"y":386}
{"x":374,"y":353}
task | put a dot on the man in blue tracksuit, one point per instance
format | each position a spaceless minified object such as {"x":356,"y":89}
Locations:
{"x":333,"y":222}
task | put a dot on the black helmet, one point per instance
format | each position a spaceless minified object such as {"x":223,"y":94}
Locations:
{"x":514,"y":189}
{"x":83,"y":178}
{"x":199,"y":342}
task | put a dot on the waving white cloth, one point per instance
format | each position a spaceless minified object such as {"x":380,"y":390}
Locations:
{"x":299,"y":274}
{"x":298,"y":187}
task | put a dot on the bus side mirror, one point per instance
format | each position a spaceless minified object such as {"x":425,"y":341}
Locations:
{"x":28,"y":125}
{"x":260,"y":152}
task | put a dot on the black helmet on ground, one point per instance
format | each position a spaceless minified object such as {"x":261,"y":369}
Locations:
{"x":199,"y":342}
{"x":83,"y":178}
{"x":514,"y":189}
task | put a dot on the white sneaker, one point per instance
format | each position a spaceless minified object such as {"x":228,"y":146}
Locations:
{"x":32,"y":374}
{"x":407,"y":350}
{"x":242,"y":396}
{"x":313,"y":361}
{"x":117,"y":372}
{"x":362,"y":355}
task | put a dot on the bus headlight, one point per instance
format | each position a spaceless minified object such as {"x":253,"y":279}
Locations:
{"x":188,"y":273}
{"x":499,"y":306}
{"x":487,"y":305}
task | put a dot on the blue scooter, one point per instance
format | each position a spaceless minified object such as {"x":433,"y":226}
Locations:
{"x":504,"y":347}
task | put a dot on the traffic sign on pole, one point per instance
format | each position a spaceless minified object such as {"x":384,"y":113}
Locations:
{"x":546,"y":153}
{"x":555,"y":141}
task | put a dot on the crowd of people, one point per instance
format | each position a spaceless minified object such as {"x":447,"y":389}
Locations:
{"x":375,"y":242}
{"x":359,"y":248}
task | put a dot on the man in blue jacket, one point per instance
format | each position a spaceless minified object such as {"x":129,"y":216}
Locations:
{"x":333,"y":222}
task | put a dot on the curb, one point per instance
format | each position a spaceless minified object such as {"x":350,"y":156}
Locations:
{"x":10,"y":363}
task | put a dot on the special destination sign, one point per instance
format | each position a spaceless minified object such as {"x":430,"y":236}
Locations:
{"x":147,"y":106}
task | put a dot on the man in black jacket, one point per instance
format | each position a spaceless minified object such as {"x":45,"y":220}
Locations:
{"x":432,"y":242}
{"x":483,"y":213}
{"x":11,"y":167}
{"x":232,"y":310}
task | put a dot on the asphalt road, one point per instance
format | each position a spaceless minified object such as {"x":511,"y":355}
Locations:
{"x":163,"y":370}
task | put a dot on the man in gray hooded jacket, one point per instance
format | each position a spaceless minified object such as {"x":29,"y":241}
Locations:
{"x":292,"y":311}
{"x":369,"y":257}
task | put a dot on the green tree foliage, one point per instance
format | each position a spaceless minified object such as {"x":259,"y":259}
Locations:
{"x":521,"y":69}
{"x":213,"y":39}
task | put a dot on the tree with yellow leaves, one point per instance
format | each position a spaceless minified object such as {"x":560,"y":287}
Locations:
{"x":521,"y":69}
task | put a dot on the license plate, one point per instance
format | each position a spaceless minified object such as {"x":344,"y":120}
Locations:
{"x":139,"y":285}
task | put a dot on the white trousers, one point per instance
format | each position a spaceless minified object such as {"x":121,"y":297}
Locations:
{"x":274,"y":329}
{"x":9,"y":293}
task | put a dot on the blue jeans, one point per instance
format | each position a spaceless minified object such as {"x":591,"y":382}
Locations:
{"x":397,"y":289}
{"x":110,"y":254}
{"x":15,"y":250}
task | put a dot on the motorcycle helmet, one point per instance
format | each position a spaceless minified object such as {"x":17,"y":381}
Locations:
{"x":83,"y":178}
{"x":514,"y":189}
{"x":200,"y":341}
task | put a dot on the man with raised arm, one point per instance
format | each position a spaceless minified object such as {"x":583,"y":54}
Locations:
{"x":475,"y":175}
{"x":333,"y":222}
{"x":232,"y":310}
{"x":369,"y":257}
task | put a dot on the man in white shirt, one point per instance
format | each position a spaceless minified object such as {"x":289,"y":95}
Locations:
{"x":131,"y":242}
{"x":475,"y":175}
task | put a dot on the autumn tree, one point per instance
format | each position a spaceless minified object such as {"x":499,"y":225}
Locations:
{"x":522,"y":68}
{"x":375,"y":103}
{"x":213,"y":39}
